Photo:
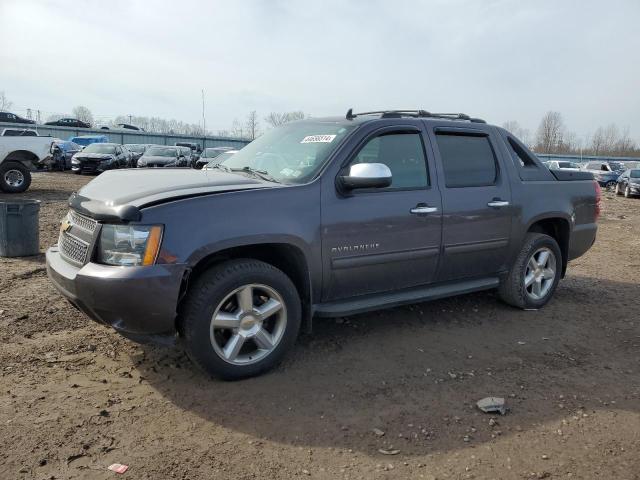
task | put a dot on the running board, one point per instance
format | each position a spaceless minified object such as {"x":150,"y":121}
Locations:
{"x":379,"y":301}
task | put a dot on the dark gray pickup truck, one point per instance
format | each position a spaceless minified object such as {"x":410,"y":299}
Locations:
{"x":319,"y":218}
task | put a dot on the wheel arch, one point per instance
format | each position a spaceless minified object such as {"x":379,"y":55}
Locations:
{"x":286,"y":257}
{"x":27,"y":158}
{"x":559,"y":228}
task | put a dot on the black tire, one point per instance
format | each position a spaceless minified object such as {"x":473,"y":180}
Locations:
{"x":512,"y":289}
{"x":618,"y":192}
{"x":8,"y":168}
{"x":210,"y":290}
{"x":627,"y":192}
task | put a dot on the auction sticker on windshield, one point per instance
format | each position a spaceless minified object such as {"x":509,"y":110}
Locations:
{"x":318,"y":139}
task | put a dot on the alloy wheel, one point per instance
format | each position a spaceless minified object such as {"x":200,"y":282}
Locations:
{"x":540,"y":273}
{"x":248,"y":324}
{"x":14,"y":178}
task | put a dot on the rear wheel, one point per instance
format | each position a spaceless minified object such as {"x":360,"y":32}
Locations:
{"x":14,"y":177}
{"x":535,"y":274}
{"x":240,"y":318}
{"x":611,"y":184}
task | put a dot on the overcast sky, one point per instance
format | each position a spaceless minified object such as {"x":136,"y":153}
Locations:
{"x":499,"y":60}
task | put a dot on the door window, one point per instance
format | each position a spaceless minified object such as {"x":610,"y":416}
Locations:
{"x":467,"y":160}
{"x":403,"y":153}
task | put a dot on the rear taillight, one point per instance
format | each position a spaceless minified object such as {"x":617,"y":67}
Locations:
{"x":598,"y":198}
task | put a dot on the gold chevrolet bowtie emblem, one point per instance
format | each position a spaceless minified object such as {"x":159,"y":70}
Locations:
{"x":65,"y":225}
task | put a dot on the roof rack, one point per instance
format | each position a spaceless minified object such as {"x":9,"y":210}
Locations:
{"x":415,"y":114}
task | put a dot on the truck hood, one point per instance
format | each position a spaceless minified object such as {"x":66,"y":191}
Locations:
{"x":119,"y":195}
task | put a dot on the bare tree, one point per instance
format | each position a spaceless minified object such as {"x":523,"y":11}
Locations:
{"x":237,"y":129}
{"x":83,"y":114}
{"x":252,"y":125}
{"x":549,"y":137}
{"x":275,"y":119}
{"x":5,"y":104}
{"x":625,"y":145}
{"x":514,"y":127}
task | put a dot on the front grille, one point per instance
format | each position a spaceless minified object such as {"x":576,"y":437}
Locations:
{"x":85,"y":223}
{"x":73,"y":248}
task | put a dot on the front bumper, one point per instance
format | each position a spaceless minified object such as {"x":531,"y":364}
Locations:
{"x":137,"y":302}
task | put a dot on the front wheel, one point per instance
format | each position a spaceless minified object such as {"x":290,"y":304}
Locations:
{"x":240,"y":318}
{"x":618,"y":192}
{"x":14,"y":177}
{"x":611,"y":184}
{"x":535,"y":273}
{"x":627,"y":192}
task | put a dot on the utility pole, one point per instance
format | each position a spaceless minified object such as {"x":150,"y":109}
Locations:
{"x":204,"y":122}
{"x":129,"y":119}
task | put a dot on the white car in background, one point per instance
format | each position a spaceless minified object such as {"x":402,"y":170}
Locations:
{"x":562,"y":165}
{"x":18,"y":156}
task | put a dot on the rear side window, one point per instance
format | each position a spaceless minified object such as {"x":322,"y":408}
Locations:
{"x":403,"y":153}
{"x":520,"y":155}
{"x":468,"y":160}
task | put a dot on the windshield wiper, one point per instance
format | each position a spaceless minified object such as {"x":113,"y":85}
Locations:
{"x":262,"y":174}
{"x":221,"y":167}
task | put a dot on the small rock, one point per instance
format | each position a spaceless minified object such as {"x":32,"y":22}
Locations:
{"x":306,"y":472}
{"x":492,"y":422}
{"x":545,"y":457}
{"x":466,"y":438}
{"x":378,"y":432}
{"x":492,"y":404}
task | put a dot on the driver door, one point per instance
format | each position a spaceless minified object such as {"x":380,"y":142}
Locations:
{"x":382,"y":239}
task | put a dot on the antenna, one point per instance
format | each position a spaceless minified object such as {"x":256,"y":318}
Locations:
{"x":350,"y":115}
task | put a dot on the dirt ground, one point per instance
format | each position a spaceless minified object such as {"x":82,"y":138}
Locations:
{"x":76,"y":397}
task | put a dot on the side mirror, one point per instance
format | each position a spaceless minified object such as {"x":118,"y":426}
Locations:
{"x":366,"y":175}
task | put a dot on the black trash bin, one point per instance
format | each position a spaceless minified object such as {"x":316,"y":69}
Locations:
{"x":19,"y":230}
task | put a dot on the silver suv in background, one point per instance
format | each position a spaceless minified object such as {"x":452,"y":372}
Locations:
{"x":605,"y":173}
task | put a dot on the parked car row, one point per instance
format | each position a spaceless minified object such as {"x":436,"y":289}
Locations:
{"x":102,"y":156}
{"x":623,"y":177}
{"x":9,"y":117}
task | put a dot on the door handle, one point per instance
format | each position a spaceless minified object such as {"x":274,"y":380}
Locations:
{"x":498,"y":203}
{"x":421,"y":209}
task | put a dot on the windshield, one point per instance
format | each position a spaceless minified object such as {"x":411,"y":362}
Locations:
{"x":161,"y":152}
{"x":223,"y":157}
{"x":567,"y":165}
{"x":616,"y":166}
{"x":292,"y":153}
{"x":211,"y":152}
{"x":634,"y":173}
{"x":100,"y":148}
{"x":136,"y":148}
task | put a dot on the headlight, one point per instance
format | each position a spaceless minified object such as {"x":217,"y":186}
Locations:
{"x":129,"y":245}
{"x":75,"y":161}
